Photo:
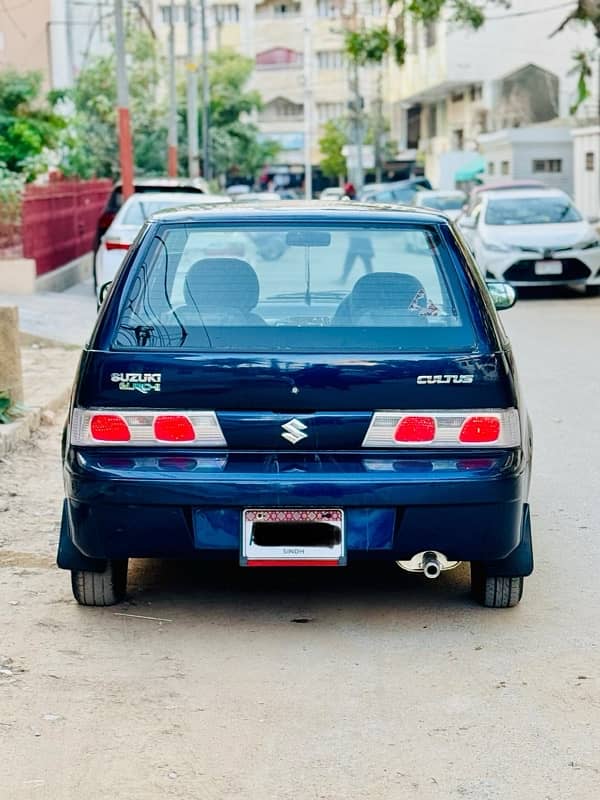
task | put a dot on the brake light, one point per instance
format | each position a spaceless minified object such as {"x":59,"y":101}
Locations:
{"x":105,"y":221}
{"x":480,"y":430}
{"x":415,"y":429}
{"x":109,"y":428}
{"x":113,"y":244}
{"x":174,"y":429}
{"x":146,"y":428}
{"x":449,"y":429}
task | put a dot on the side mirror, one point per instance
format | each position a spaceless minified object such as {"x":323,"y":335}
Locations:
{"x":593,"y":220}
{"x":503,"y":294}
{"x":103,"y":292}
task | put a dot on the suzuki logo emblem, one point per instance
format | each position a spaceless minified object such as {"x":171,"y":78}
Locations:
{"x":294,"y":431}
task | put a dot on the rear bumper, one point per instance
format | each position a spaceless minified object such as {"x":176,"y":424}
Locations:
{"x":395,"y":505}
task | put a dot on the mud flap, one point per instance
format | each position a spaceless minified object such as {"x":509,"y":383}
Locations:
{"x":520,"y":562}
{"x":68,"y":556}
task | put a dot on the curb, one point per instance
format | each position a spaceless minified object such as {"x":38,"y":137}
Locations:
{"x":21,"y":430}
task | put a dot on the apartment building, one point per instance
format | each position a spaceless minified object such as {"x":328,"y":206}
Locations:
{"x":272,"y":34}
{"x":457,"y":83}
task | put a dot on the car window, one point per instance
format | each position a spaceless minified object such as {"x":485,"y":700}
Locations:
{"x":531,"y":211}
{"x":139,"y":210}
{"x":441,"y":203}
{"x":343,"y":289}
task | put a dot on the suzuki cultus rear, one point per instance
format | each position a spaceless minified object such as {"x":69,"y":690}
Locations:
{"x":354,"y":398}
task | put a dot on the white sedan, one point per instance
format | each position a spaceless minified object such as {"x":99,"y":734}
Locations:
{"x":131,"y":217}
{"x":534,"y":237}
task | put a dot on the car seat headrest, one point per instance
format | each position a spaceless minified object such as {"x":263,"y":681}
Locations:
{"x":212,"y":284}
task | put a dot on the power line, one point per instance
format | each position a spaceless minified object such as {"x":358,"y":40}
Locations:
{"x":532,"y":12}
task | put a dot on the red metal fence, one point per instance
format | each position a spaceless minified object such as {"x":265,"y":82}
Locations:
{"x":59,"y":221}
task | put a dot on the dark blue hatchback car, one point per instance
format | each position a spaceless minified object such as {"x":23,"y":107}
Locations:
{"x":355,"y":398}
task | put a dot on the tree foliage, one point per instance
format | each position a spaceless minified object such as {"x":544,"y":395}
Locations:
{"x":91,"y":146}
{"x":29,"y":124}
{"x":331,"y":143}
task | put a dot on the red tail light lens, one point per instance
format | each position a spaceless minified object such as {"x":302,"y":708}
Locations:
{"x":415,"y":429}
{"x":105,"y":221}
{"x":173,"y":428}
{"x":109,"y":428}
{"x":112,"y":245}
{"x":480,"y":430}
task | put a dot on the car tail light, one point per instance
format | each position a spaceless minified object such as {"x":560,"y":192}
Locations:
{"x":415,"y":429}
{"x":483,"y":429}
{"x":115,"y":244}
{"x":109,"y":428}
{"x":449,"y":429}
{"x":174,"y":428}
{"x":106,"y":220}
{"x":146,"y":428}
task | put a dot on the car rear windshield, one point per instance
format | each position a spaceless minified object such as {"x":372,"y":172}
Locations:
{"x":139,"y":210}
{"x":295,"y":288}
{"x":531,"y":211}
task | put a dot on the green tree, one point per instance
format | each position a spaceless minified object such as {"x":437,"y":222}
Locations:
{"x":235,"y":142}
{"x":29,"y":124}
{"x":586,"y":12}
{"x":331,"y":143}
{"x":91,"y":145}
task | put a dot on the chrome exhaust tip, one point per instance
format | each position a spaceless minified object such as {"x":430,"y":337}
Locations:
{"x":429,"y":562}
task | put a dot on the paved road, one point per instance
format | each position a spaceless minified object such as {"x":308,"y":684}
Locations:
{"x":393,"y":688}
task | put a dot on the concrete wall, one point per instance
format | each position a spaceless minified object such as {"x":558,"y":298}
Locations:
{"x":587,"y":180}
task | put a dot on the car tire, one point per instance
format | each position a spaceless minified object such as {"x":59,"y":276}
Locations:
{"x":100,"y":588}
{"x":495,"y":591}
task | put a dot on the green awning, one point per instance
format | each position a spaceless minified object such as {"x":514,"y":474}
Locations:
{"x":470,"y":171}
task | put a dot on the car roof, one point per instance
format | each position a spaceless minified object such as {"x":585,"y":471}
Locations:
{"x":194,"y":184}
{"x":515,"y":194}
{"x":507,"y":186}
{"x":320,"y":211}
{"x":441,"y":192}
{"x":185,"y":198}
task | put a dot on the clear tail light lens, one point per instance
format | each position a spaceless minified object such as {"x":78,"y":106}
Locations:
{"x":450,"y":429}
{"x":146,"y":428}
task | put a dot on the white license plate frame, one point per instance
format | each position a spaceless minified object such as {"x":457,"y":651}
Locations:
{"x":253,"y":554}
{"x":549,"y":267}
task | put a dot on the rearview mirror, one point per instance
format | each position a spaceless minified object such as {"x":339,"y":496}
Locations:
{"x":503,"y":294}
{"x":308,"y":238}
{"x":103,"y":292}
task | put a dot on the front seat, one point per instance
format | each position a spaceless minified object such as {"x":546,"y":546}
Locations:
{"x":221,"y":291}
{"x":386,"y":299}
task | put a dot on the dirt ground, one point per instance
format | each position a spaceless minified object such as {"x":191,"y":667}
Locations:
{"x":369,"y":684}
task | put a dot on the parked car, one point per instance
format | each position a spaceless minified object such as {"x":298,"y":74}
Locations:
{"x":396,"y":192}
{"x":534,"y":237}
{"x":477,"y":192}
{"x":332,"y":193}
{"x":142,"y":185}
{"x":450,"y":202}
{"x":253,"y":197}
{"x":120,"y":235}
{"x":291,"y":417}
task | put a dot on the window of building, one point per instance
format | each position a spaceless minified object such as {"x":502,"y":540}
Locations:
{"x":278,"y":57}
{"x":547,"y":165}
{"x":589,"y":161}
{"x":475,"y":93}
{"x":226,"y":13}
{"x":286,"y":9}
{"x":457,"y":97}
{"x":430,"y":34}
{"x":330,"y":59}
{"x":433,"y":121}
{"x":280,"y":109}
{"x":179,"y":14}
{"x":375,"y":8}
{"x":491,"y":168}
{"x":504,"y":167}
{"x":414,"y":37}
{"x":458,"y":137}
{"x":328,"y":8}
{"x":327,"y":111}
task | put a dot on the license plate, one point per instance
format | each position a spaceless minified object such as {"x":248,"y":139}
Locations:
{"x":548,"y":267}
{"x":293,"y":537}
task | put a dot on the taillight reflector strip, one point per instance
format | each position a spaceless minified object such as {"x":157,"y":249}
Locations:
{"x":146,"y":428}
{"x":112,"y":245}
{"x":450,"y":429}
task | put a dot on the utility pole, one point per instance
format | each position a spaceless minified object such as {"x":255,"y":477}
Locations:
{"x":70,"y":41}
{"x":172,"y":132}
{"x":206,"y":170}
{"x":192,"y":96}
{"x":308,"y":101}
{"x":378,"y":132}
{"x":356,"y":110}
{"x":125,"y":147}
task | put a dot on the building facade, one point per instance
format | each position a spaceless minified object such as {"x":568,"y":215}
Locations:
{"x":458,"y":83}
